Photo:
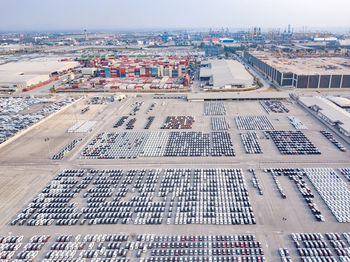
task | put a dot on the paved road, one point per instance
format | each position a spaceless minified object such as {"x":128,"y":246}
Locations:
{"x":266,"y":83}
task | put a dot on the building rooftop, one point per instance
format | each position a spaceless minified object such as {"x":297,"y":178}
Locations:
{"x":306,"y":66}
{"x":340,"y":101}
{"x":9,"y":79}
{"x":227,"y":72}
{"x":330,"y":110}
{"x":237,"y":96}
{"x":28,"y":72}
{"x":37,"y":66}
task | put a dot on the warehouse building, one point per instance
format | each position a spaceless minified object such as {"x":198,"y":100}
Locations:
{"x":27,"y":73}
{"x":224,"y":73}
{"x":328,"y":112}
{"x":299,"y":72}
{"x":15,"y":81}
{"x":342,"y":102}
{"x":237,"y":96}
{"x":213,"y":50}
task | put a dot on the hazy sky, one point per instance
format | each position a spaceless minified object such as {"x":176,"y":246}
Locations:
{"x":129,"y":14}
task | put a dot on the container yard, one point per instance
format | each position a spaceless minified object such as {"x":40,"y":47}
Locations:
{"x":127,"y":84}
{"x":152,"y":66}
{"x":137,"y":72}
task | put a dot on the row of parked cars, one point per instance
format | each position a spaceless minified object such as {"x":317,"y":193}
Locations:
{"x":178,"y":122}
{"x":333,"y":140}
{"x":214,"y":109}
{"x":136,"y":107}
{"x":145,"y":247}
{"x":221,"y":144}
{"x":17,"y":248}
{"x":149,"y":122}
{"x":274,"y":106}
{"x":14,"y":105}
{"x":345,"y":172}
{"x":14,"y":118}
{"x":333,"y":190}
{"x":206,"y":248}
{"x":315,"y":247}
{"x":297,"y":176}
{"x":130,"y":124}
{"x":120,"y":122}
{"x":256,"y":182}
{"x":151,"y":107}
{"x":346,"y":235}
{"x":285,"y":255}
{"x":296,"y":123}
{"x":13,"y":124}
{"x":69,"y":147}
{"x":100,"y":100}
{"x":253,"y":123}
{"x":184,"y":196}
{"x":109,"y":247}
{"x":251,"y":143}
{"x":116,"y":145}
{"x":155,"y":144}
{"x":219,"y":123}
{"x":293,"y":143}
{"x":274,"y":175}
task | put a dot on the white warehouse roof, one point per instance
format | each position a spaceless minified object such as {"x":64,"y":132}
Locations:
{"x":227,"y":72}
{"x":29,"y":72}
{"x":237,"y":96}
{"x":21,"y":80}
{"x":330,"y":110}
{"x":340,"y":101}
{"x":38,"y":66}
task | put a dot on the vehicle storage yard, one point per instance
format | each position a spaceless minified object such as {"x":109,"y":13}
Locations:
{"x":19,"y":113}
{"x":160,"y":194}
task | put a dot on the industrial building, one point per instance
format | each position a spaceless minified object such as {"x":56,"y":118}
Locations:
{"x":299,"y":72}
{"x":213,"y":50}
{"x":22,"y":74}
{"x":225,"y":74}
{"x":342,"y":102}
{"x":236,"y":96}
{"x":328,"y":112}
{"x":14,"y":81}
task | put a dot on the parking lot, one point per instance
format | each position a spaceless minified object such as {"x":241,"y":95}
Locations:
{"x":19,"y":113}
{"x":203,"y":123}
{"x":125,"y":247}
{"x":114,"y":196}
{"x":26,"y":170}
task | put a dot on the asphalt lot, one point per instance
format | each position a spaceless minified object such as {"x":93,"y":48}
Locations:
{"x":25,"y":168}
